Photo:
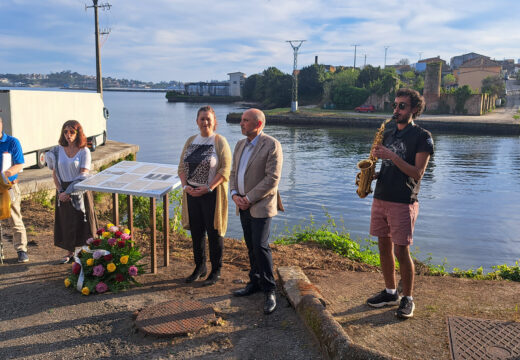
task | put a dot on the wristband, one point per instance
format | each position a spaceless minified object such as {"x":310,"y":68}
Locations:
{"x":209,"y":189}
{"x":184,"y":187}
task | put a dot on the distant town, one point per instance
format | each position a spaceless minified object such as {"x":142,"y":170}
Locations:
{"x":469,"y":84}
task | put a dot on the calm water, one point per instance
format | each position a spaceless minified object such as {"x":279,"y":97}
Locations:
{"x":470,"y":203}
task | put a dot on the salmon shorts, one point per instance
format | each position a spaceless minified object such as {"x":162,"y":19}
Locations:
{"x":394,"y":220}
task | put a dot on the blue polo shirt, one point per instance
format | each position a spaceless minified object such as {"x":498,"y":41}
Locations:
{"x":11,"y":145}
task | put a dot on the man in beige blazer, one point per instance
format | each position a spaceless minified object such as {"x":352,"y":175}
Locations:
{"x":253,"y":183}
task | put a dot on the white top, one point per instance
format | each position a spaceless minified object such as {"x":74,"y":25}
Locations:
{"x":69,"y":168}
{"x":201,"y":161}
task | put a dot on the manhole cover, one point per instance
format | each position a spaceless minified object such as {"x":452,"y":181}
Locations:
{"x":483,"y":339}
{"x":174,"y":318}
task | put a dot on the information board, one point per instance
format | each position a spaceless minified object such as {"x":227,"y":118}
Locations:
{"x":134,"y":178}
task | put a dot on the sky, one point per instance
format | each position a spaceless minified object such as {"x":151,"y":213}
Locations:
{"x":197,"y":40}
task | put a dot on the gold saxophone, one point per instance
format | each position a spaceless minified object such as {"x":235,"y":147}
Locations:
{"x":367,"y":167}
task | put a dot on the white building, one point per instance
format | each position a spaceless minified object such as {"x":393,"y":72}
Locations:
{"x":236,"y":82}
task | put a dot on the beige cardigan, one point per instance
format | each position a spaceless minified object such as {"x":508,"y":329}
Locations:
{"x":224,"y":167}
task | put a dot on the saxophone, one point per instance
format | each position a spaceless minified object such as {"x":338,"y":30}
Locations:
{"x":367,"y":167}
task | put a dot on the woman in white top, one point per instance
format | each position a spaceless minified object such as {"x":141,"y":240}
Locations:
{"x":204,"y":169}
{"x":75,"y":220}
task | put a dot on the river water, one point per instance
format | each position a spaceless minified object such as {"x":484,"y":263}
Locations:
{"x":469,"y":199}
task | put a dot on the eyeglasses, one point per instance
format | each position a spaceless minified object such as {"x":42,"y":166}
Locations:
{"x":401,"y":105}
{"x":70,"y":132}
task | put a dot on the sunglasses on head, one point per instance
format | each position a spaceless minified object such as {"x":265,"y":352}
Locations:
{"x":401,"y":105}
{"x":69,"y":131}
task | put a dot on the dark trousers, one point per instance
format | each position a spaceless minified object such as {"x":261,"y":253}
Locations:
{"x":201,"y":211}
{"x":256,"y":235}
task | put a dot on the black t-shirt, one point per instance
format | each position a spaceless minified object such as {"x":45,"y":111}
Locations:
{"x":392,"y":184}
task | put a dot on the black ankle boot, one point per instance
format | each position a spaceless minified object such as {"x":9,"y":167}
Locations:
{"x":212,"y":278}
{"x":200,"y":271}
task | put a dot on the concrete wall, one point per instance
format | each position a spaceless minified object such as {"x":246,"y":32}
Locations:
{"x":477,"y":104}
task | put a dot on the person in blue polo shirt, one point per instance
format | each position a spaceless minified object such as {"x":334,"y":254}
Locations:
{"x":12,"y":146}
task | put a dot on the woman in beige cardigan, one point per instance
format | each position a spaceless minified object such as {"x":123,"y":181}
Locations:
{"x":204,"y":172}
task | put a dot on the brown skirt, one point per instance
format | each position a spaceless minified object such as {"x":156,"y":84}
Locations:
{"x":70,"y":228}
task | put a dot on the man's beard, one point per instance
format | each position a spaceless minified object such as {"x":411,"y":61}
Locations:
{"x":398,"y":120}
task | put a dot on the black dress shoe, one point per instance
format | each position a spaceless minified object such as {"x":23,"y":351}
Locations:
{"x":270,"y":302}
{"x":248,"y":290}
{"x":197,"y":274}
{"x":212,"y":278}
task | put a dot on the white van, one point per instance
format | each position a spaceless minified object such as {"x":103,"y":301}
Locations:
{"x":36,"y":117}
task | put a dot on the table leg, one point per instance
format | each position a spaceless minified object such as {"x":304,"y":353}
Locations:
{"x":115,"y":208}
{"x":153,"y":236}
{"x":130,"y":206}
{"x":166,"y":230}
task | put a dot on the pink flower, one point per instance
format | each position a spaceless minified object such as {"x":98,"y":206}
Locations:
{"x":108,"y":257}
{"x":113,"y":229}
{"x":97,"y":254}
{"x":119,"y":277}
{"x":125,"y":236}
{"x":112,"y":241}
{"x":98,"y":270}
{"x":132,"y":270}
{"x":89,"y":241}
{"x":76,"y":268}
{"x":101,"y":287}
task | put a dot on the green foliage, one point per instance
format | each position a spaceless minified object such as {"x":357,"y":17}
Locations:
{"x":329,"y":237}
{"x":310,"y":83}
{"x":272,"y":88}
{"x":448,"y":80}
{"x":141,"y":207}
{"x":42,"y":197}
{"x":462,"y":94}
{"x":494,"y":85}
{"x":345,"y":96}
{"x":368,"y":75}
{"x":129,"y":157}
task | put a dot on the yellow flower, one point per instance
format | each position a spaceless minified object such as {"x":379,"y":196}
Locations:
{"x":84,"y":251}
{"x":111,"y":267}
{"x":67,"y":282}
{"x":85,"y":291}
{"x":109,"y":225}
{"x":90,"y":262}
{"x":124,"y":259}
{"x":127,"y":231}
{"x":106,"y":234}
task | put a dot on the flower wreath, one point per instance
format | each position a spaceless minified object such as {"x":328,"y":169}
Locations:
{"x":108,"y":262}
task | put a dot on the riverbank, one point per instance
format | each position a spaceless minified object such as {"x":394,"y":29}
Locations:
{"x":498,"y":122}
{"x":41,"y":319}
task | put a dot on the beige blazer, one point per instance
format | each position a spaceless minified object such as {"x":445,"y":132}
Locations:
{"x":262,"y":176}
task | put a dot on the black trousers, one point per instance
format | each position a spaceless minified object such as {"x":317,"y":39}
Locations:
{"x":201,"y":211}
{"x":256,"y":235}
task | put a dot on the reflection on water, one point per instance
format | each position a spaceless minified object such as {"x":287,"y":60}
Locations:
{"x":469,"y":197}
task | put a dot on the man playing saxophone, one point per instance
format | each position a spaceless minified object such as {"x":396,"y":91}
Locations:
{"x":405,"y":152}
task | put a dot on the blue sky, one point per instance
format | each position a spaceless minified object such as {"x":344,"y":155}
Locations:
{"x":193,"y":40}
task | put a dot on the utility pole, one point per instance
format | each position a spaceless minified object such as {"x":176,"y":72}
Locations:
{"x":99,"y":78}
{"x":294,"y":103}
{"x":386,"y":49}
{"x":355,"y":48}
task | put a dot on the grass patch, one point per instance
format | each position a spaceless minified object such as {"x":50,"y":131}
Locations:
{"x":329,"y":237}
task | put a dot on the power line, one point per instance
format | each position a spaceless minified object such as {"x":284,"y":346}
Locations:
{"x":294,"y":103}
{"x":106,"y":6}
{"x":355,"y":48}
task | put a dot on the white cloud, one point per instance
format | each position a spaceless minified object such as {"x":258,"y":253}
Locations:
{"x":192,"y":40}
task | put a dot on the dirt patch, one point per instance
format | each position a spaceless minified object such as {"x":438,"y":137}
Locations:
{"x":41,"y":319}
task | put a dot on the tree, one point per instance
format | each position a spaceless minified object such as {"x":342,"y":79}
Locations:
{"x":403,"y":62}
{"x":494,"y":85}
{"x":448,"y":80}
{"x":249,"y":90}
{"x":345,"y":96}
{"x":368,"y":75}
{"x":310,"y":83}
